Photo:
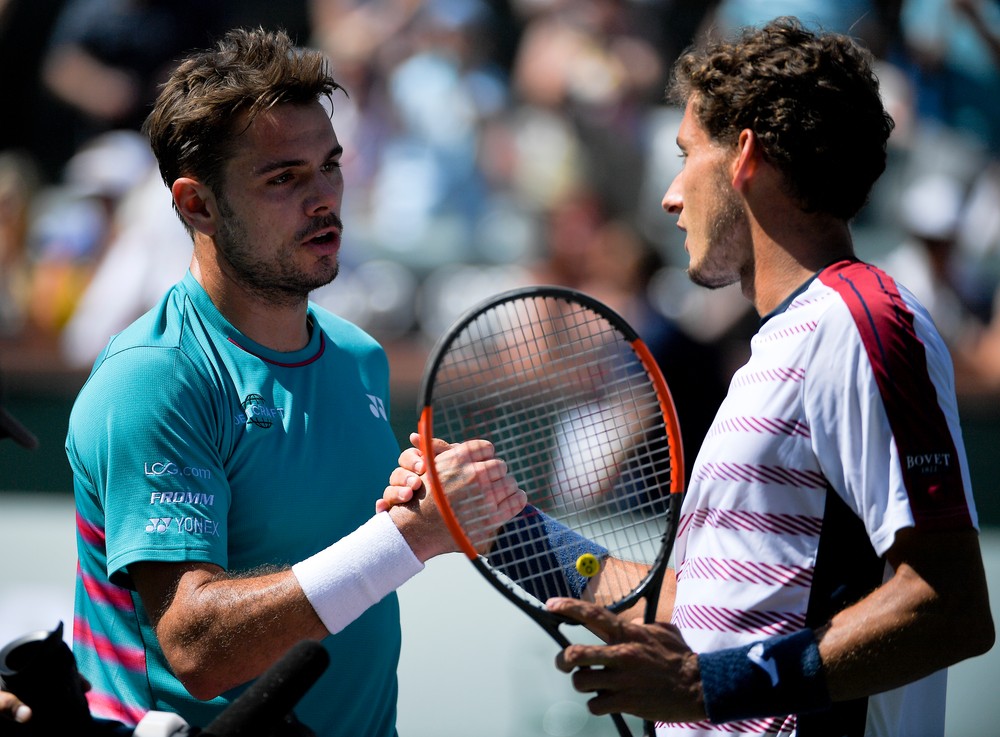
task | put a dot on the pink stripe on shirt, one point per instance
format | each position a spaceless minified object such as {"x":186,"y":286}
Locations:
{"x":106,"y":706}
{"x":129,"y":658}
{"x":106,"y":593}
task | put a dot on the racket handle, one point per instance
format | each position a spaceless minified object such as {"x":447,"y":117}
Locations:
{"x":623,"y":730}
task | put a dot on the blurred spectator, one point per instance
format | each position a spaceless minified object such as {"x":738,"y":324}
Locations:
{"x":619,"y":267}
{"x":106,"y":58}
{"x":18,"y":184}
{"x":874,"y":22}
{"x":951,"y":50}
{"x":74,"y":222}
{"x":421,"y":81}
{"x":980,"y":236}
{"x":589,"y":249}
{"x":929,"y":264}
{"x":484,"y":140}
{"x":146,"y":248}
{"x":983,"y":20}
{"x":25,"y":27}
{"x":589,"y":64}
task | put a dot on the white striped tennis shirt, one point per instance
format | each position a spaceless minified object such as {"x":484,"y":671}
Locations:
{"x":841,"y":429}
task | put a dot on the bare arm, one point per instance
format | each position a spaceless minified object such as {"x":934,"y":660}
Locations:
{"x":626,"y":575}
{"x":219,"y":630}
{"x":934,"y":612}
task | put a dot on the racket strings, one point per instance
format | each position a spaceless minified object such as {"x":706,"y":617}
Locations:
{"x":567,"y":403}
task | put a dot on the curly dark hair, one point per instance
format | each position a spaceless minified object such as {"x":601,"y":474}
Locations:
{"x":812,"y":99}
{"x":214,"y":95}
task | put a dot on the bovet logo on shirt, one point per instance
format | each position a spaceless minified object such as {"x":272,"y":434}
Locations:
{"x":927,"y":463}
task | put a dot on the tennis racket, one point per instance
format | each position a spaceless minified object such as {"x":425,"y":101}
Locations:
{"x":573,"y":401}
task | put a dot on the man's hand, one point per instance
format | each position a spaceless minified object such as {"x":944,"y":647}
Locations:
{"x":13,"y":708}
{"x":406,"y":480}
{"x":467,"y":471}
{"x":644,"y":669}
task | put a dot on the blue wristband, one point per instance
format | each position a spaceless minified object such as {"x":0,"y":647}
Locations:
{"x":773,"y":677}
{"x":540,"y":554}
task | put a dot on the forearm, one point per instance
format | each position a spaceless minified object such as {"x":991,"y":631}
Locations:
{"x":636,"y":572}
{"x":932,"y":613}
{"x":903,"y":631}
{"x":230,"y":629}
{"x":219,"y":630}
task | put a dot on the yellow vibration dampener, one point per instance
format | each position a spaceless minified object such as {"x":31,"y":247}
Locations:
{"x":587,"y":565}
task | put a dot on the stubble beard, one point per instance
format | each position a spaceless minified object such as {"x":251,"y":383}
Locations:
{"x":724,"y":260}
{"x":274,"y":281}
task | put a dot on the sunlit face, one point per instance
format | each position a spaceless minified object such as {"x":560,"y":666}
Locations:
{"x":709,"y":210}
{"x":279,"y":233}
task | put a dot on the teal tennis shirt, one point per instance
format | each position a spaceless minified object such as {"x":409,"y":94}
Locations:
{"x":190,"y":442}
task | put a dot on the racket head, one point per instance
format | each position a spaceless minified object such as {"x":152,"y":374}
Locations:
{"x":574,"y":402}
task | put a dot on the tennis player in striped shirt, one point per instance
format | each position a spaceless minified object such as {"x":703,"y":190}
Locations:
{"x":827,"y":564}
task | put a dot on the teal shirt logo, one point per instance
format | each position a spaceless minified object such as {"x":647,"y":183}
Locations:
{"x":257,"y":412}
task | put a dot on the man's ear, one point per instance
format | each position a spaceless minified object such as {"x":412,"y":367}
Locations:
{"x":196,"y":204}
{"x":747,"y":159}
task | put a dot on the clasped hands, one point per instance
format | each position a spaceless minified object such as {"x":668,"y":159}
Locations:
{"x":643,"y":669}
{"x":480,"y":491}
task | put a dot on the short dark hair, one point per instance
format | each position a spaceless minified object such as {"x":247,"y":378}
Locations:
{"x":812,"y":99}
{"x":211,"y":92}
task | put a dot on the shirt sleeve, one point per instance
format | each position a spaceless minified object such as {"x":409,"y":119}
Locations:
{"x":884,"y":423}
{"x":144,"y":434}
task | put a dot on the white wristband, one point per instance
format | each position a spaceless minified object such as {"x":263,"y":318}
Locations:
{"x":161,"y":724}
{"x":357,"y":571}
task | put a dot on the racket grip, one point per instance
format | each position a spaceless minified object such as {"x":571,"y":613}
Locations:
{"x":540,"y":554}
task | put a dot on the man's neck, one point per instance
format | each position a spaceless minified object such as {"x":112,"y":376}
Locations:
{"x":281,"y":327}
{"x":787,"y":257}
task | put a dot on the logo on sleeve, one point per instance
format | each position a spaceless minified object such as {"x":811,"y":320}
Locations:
{"x":928,"y":463}
{"x":200,"y":526}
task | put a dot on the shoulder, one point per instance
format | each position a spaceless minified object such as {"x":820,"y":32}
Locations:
{"x":344,"y":334}
{"x":892,"y":325}
{"x":875,"y":301}
{"x":158,"y":350}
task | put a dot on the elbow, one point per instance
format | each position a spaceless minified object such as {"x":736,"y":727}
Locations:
{"x":979,"y":629}
{"x":201,"y":684}
{"x":201,"y":688}
{"x":984,"y":637}
{"x":971,"y":627}
{"x":195,"y":668}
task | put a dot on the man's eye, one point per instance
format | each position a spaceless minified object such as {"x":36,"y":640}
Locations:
{"x":331,"y":165}
{"x":281,"y":178}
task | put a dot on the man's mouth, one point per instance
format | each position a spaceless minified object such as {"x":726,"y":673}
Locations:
{"x":325,"y":237}
{"x":324,"y":231}
{"x":328,"y":238}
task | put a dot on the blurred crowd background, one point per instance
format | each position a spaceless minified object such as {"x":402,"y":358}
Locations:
{"x":489,"y":144}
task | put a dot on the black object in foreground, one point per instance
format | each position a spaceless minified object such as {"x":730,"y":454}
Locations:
{"x":263,"y":707}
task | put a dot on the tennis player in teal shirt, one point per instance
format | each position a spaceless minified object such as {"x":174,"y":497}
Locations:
{"x":229,"y":446}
